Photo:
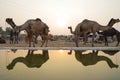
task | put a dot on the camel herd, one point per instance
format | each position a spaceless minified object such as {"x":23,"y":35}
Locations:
{"x":36,"y":27}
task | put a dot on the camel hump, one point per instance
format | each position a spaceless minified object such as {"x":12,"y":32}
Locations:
{"x":85,"y":20}
{"x":38,"y":19}
{"x":46,"y":25}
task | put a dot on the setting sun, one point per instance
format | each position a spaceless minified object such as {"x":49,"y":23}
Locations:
{"x":61,"y":51}
{"x":61,"y":22}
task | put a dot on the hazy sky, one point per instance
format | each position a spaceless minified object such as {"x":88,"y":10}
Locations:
{"x":59,"y":14}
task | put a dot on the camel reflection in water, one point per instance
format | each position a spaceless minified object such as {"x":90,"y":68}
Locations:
{"x":92,"y":58}
{"x":31,"y":60}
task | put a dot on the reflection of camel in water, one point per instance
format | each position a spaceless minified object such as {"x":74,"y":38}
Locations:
{"x":31,"y":60}
{"x":110,"y":52}
{"x":92,"y":58}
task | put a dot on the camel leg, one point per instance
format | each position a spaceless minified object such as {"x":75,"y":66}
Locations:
{"x":117,"y":43}
{"x":70,"y":52}
{"x":17,"y":39}
{"x":95,"y":52}
{"x":42,"y":43}
{"x":14,"y":40}
{"x":106,"y":42}
{"x":29,"y":42}
{"x":76,"y":40}
{"x":85,"y":39}
{"x":93,"y":39}
{"x":33,"y":44}
{"x":29,"y":37}
{"x":34,"y":41}
{"x":46,"y":42}
{"x":109,"y":61}
{"x":118,"y":38}
{"x":11,"y":41}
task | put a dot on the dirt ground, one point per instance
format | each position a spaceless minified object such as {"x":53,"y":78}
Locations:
{"x":59,"y":43}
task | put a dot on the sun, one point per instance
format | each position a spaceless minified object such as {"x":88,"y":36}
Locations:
{"x":61,"y":23}
{"x":61,"y":51}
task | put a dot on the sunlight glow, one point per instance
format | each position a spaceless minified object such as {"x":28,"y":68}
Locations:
{"x":61,"y":51}
{"x":61,"y":22}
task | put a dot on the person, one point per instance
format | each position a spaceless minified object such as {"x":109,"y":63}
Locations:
{"x":2,"y":39}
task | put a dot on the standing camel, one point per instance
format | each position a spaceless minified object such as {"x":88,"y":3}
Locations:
{"x":90,"y":26}
{"x":111,"y":32}
{"x":13,"y":34}
{"x":34,"y":28}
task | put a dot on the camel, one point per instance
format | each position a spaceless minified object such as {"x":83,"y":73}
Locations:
{"x":34,"y":28}
{"x":31,"y":60}
{"x":13,"y":34}
{"x":111,"y":32}
{"x":90,"y":26}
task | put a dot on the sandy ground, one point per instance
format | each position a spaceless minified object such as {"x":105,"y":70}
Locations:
{"x":59,"y":43}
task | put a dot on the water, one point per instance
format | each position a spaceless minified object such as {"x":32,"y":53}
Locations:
{"x":59,"y":65}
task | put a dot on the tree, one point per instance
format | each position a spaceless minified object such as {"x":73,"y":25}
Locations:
{"x":1,"y":30}
{"x":8,"y":29}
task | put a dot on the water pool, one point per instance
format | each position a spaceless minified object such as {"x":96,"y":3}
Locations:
{"x":59,"y":65}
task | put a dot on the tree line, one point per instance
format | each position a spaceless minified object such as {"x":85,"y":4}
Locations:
{"x":6,"y":31}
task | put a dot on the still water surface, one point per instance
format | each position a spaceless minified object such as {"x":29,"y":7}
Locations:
{"x":59,"y":65}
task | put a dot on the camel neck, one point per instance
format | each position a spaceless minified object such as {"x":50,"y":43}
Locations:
{"x":12,"y":24}
{"x":23,"y":27}
{"x":104,"y":27}
{"x":27,"y":24}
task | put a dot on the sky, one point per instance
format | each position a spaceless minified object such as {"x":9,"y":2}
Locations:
{"x":59,"y":14}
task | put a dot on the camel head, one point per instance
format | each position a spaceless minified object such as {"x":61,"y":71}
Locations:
{"x":46,"y":30}
{"x":10,"y":22}
{"x":113,"y":21}
{"x":72,"y":32}
{"x":69,"y":27}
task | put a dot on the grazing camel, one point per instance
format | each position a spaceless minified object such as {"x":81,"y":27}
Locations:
{"x":13,"y":34}
{"x":90,"y":26}
{"x":34,"y":28}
